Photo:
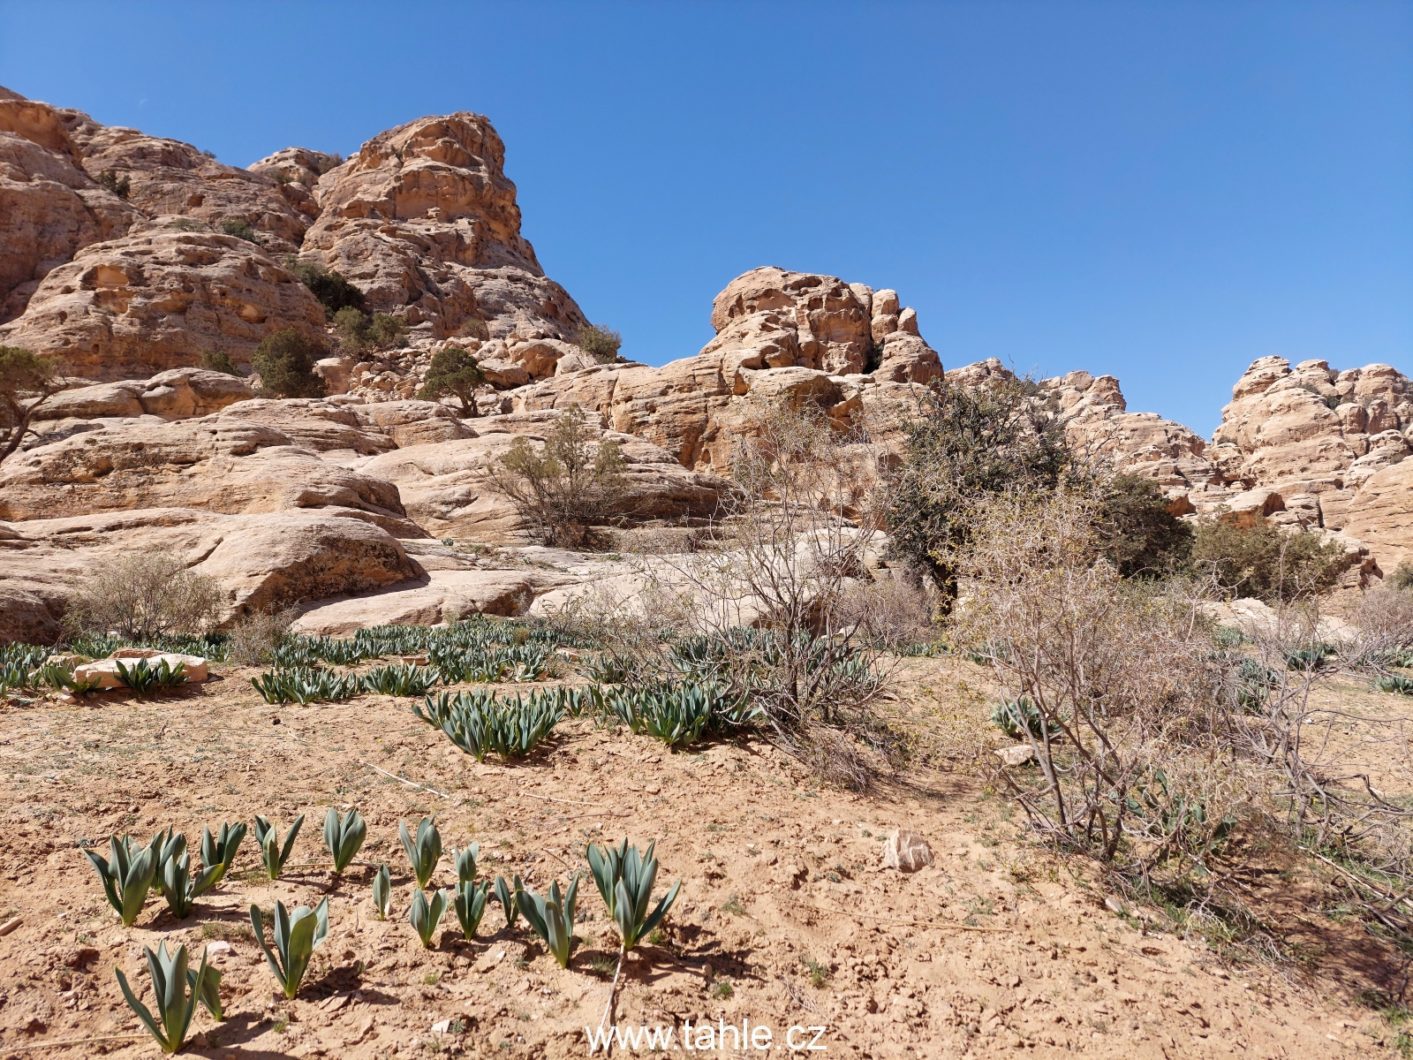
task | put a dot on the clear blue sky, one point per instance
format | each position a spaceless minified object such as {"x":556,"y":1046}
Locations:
{"x":1162,"y":191}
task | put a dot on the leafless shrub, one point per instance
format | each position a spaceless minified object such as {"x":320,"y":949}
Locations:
{"x":144,"y":596}
{"x":768,"y":607}
{"x":1129,"y":729}
{"x":254,"y":637}
{"x":892,"y":613}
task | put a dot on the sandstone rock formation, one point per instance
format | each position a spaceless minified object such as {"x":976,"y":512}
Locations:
{"x":158,"y":298}
{"x":121,"y":262}
{"x":783,"y":338}
{"x":424,"y":220}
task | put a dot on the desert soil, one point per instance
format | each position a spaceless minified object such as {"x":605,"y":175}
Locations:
{"x":787,"y":916}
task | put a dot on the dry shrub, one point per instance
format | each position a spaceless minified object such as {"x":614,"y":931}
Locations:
{"x":568,"y":485}
{"x":1130,"y":735}
{"x":253,"y":638}
{"x":769,"y":605}
{"x":892,"y":613}
{"x":145,"y":596}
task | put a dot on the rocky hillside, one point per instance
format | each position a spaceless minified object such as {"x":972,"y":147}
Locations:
{"x":130,"y":257}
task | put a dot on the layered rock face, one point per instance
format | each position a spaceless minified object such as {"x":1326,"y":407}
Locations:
{"x":783,"y":338}
{"x":128,"y":257}
{"x":424,"y":220}
{"x":1305,"y":446}
{"x":127,"y":254}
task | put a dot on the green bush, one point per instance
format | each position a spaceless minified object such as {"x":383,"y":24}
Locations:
{"x":566,"y":486}
{"x":218,"y":361}
{"x":964,"y":444}
{"x":1139,"y":533}
{"x":454,"y":372}
{"x":1264,"y":561}
{"x":332,"y":290}
{"x":240,"y":228}
{"x":359,"y":332}
{"x":285,"y":360}
{"x":599,"y":342}
{"x":119,"y":186}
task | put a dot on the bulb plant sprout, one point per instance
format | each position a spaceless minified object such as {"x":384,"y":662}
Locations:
{"x":466,"y":862}
{"x":177,"y":991}
{"x":382,"y":891}
{"x":296,"y":935}
{"x":552,"y":917}
{"x":625,"y":878}
{"x":469,"y":901}
{"x":509,"y":900}
{"x":127,"y":875}
{"x":424,"y":851}
{"x":426,"y":914}
{"x":273,"y":853}
{"x":344,"y":837}
{"x":218,"y":851}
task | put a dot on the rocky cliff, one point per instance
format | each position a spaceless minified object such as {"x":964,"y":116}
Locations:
{"x":128,"y":257}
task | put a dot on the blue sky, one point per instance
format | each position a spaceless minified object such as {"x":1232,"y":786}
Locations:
{"x":1162,"y":191}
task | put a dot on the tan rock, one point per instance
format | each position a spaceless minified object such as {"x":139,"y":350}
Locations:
{"x":157,"y":298}
{"x":105,"y":671}
{"x":424,"y":220}
{"x":906,"y":852}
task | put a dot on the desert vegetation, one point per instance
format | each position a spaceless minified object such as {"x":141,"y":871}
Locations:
{"x":26,"y":382}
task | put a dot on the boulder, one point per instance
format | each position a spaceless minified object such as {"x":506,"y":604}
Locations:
{"x":105,"y":671}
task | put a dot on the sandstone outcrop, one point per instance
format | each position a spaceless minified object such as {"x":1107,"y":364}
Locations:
{"x":783,"y":338}
{"x":158,"y":298}
{"x":424,"y":220}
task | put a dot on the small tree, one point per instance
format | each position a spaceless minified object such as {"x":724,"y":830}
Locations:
{"x":285,"y":360}
{"x":1139,"y":533}
{"x":357,"y":331}
{"x":143,"y":596}
{"x":1402,"y":577}
{"x":240,"y":228}
{"x":27,"y":380}
{"x":454,"y":371}
{"x":218,"y":361}
{"x":1266,"y":562}
{"x":566,"y":486}
{"x":332,"y":290}
{"x":599,"y":342}
{"x":965,"y":443}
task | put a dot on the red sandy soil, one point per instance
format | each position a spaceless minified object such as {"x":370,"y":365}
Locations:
{"x":787,"y":916}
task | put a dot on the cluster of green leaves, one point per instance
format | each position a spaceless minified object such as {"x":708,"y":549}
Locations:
{"x":295,"y":936}
{"x":121,"y":186}
{"x":477,"y":635}
{"x":240,"y":228}
{"x":1310,"y":657}
{"x":1254,"y":681}
{"x":491,"y":663}
{"x":1017,"y":718}
{"x":344,"y":836}
{"x":677,"y":712}
{"x":132,"y":870}
{"x":625,"y":878}
{"x":359,"y":332}
{"x":306,"y":685}
{"x":1265,"y":561}
{"x":750,"y":663}
{"x":454,"y":372}
{"x":400,"y":680}
{"x":1394,"y":683}
{"x":147,"y":680}
{"x":481,"y":724}
{"x":333,"y":290}
{"x":286,"y":360}
{"x":273,"y":853}
{"x":176,"y":989}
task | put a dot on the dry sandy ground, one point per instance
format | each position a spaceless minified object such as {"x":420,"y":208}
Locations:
{"x":787,"y":916}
